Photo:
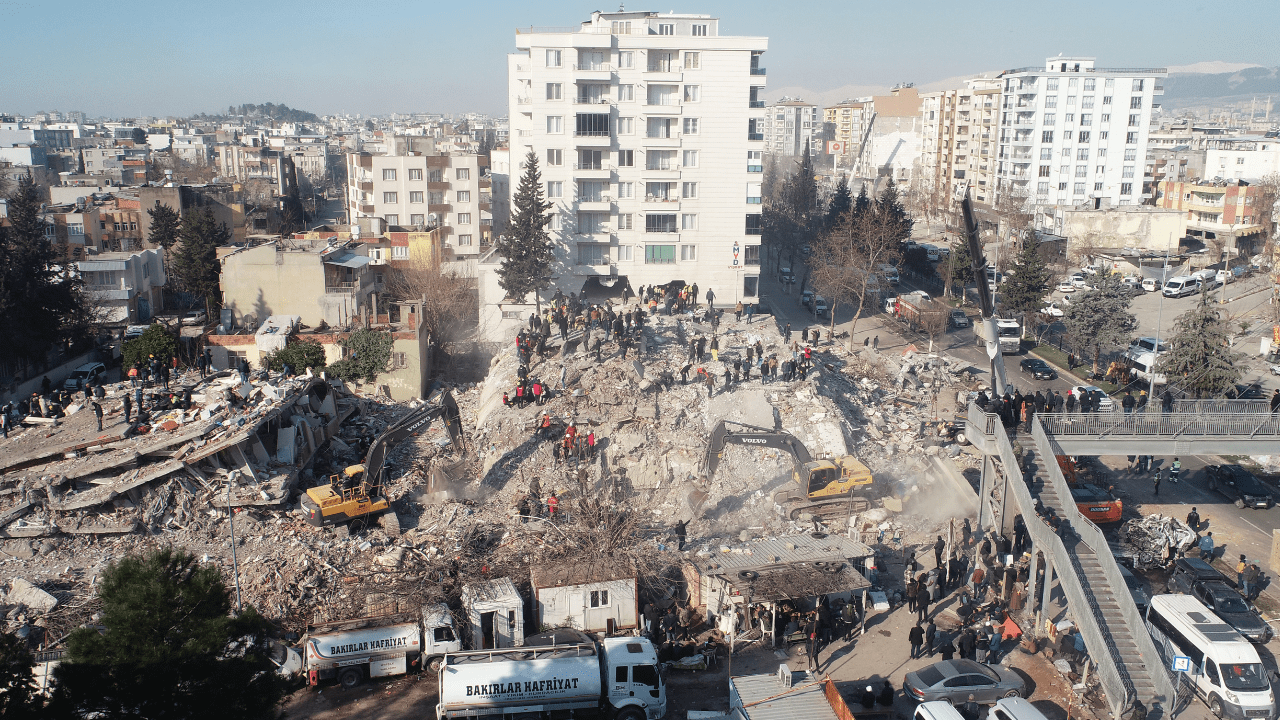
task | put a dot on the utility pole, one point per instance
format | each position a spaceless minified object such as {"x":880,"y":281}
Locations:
{"x":1155,"y":352}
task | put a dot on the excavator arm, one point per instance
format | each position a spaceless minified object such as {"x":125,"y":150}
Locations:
{"x":999,"y":379}
{"x":753,"y":436}
{"x":439,"y":405}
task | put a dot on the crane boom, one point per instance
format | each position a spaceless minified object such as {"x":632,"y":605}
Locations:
{"x":999,"y":378}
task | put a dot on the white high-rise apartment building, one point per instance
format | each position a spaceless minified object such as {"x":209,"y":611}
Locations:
{"x":790,"y":125}
{"x":1071,"y":132}
{"x":649,"y":136}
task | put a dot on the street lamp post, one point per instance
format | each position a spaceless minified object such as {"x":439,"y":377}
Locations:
{"x":231,"y":516}
{"x":1155,"y":352}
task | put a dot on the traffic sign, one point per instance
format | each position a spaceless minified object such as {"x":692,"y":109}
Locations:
{"x":1181,"y":663}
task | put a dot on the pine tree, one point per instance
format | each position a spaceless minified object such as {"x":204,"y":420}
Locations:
{"x":171,"y":648}
{"x":1200,"y":359}
{"x":863,"y":202}
{"x":841,"y":202}
{"x":1028,"y":283}
{"x":526,"y":248}
{"x":165,"y":224}
{"x":195,"y":266}
{"x":18,"y":698}
{"x":962,"y":266}
{"x":1099,"y":319}
{"x":894,"y":215}
{"x":40,"y":304}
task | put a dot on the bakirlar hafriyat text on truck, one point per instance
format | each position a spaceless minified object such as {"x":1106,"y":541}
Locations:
{"x":351,"y":656}
{"x":617,"y":678}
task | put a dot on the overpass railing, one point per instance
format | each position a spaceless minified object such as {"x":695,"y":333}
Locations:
{"x":1169,"y":425}
{"x":1117,"y":686}
{"x":1216,"y":407}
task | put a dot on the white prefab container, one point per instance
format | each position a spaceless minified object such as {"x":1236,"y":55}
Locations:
{"x":593,"y":597}
{"x":495,"y":614}
{"x":386,"y":650}
{"x":524,"y":680}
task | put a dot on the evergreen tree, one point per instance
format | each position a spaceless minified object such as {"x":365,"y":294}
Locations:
{"x":1099,"y":319}
{"x":863,"y":202}
{"x":1028,"y":283}
{"x":841,"y":203}
{"x":18,"y":698}
{"x":165,"y":225}
{"x":893,"y":214}
{"x":40,"y":303}
{"x":195,"y":266}
{"x":1200,"y":359}
{"x":962,"y":266}
{"x":526,"y":248}
{"x":802,"y":192}
{"x":171,"y":648}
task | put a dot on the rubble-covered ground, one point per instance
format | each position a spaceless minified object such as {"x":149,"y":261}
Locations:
{"x":96,"y":497}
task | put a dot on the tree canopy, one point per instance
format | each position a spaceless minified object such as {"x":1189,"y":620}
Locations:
{"x":170,"y":648}
{"x":1100,"y":319}
{"x":195,"y":266}
{"x":165,"y":226}
{"x":18,"y":699}
{"x":155,"y":340}
{"x":299,"y":354}
{"x":526,"y":248}
{"x":368,"y":355}
{"x":1200,"y":359}
{"x":1025,"y":289}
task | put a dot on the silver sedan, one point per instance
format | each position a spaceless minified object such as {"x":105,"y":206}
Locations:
{"x":954,"y":681}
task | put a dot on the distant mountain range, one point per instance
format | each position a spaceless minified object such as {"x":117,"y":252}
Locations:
{"x":1186,"y":89}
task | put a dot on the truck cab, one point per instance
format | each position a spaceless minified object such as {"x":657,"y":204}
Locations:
{"x":439,"y":635}
{"x":634,"y":678}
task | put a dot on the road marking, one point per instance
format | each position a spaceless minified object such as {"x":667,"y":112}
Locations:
{"x":1264,"y":532}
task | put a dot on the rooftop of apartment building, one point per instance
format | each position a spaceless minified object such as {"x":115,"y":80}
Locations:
{"x":900,"y":102}
{"x":1070,"y":65}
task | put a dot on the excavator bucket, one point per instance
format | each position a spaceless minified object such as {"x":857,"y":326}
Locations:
{"x":697,"y":498}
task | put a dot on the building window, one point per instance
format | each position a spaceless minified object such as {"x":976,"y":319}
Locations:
{"x":1042,"y":188}
{"x":591,"y":223}
{"x":1106,"y":118}
{"x":692,"y":60}
{"x":593,"y":254}
{"x":555,"y":158}
{"x":555,"y":189}
{"x":1086,"y":119}
{"x":555,"y":91}
{"x":415,"y":174}
{"x":1126,"y":171}
{"x":388,"y":173}
{"x":464,"y":196}
{"x":390,"y":198}
{"x":1082,"y":171}
{"x":436,"y":175}
{"x":1131,"y":138}
{"x":1102,"y":135}
{"x":626,"y":190}
{"x":590,"y":160}
{"x":1062,"y":186}
{"x":435,"y":197}
{"x":1046,"y":136}
{"x":553,"y":58}
{"x":1240,"y":160}
{"x":392,"y":219}
{"x":591,"y":190}
{"x":625,"y":221}
{"x":1051,"y":101}
{"x":691,"y":126}
{"x":1097,"y":187}
{"x":417,"y":220}
{"x":1130,"y":154}
{"x":750,"y":285}
{"x":1044,"y":171}
{"x":626,"y":93}
{"x":754,"y":227}
{"x":1046,"y":153}
{"x":1069,"y":118}
{"x":660,"y":160}
{"x":689,"y":191}
{"x":1064,"y":170}
{"x":1101,"y":170}
{"x":463,"y":173}
{"x":1050,"y":119}
{"x":415,"y":196}
{"x":1084,"y":136}
{"x":1137,"y":85}
{"x":699,"y":30}
{"x":692,"y":93}
{"x":626,"y":126}
{"x":1079,"y":189}
{"x":626,"y":58}
{"x":1126,"y":188}
{"x":1133,"y":120}
{"x":690,"y":159}
{"x":400,"y":252}
{"x":464,"y":218}
{"x":660,"y":223}
{"x":1086,"y":102}
{"x":555,"y":124}
{"x":659,"y":254}
{"x":554,"y":223}
{"x":627,"y":158}
{"x":591,"y":124}
{"x":1082,"y":154}
{"x":688,"y":253}
{"x":666,"y":29}
{"x":688,"y":221}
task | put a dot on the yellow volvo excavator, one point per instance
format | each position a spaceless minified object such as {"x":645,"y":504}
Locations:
{"x":357,"y":492}
{"x":822,"y":488}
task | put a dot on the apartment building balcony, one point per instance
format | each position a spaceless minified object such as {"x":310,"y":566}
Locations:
{"x":667,"y":141}
{"x":755,"y":168}
{"x":663,"y":108}
{"x":597,"y":71}
{"x":366,"y":209}
{"x":594,"y":101}
{"x":366,"y":185}
{"x":755,"y":136}
{"x":438,"y":185}
{"x":592,"y":138}
{"x":524,"y":100}
{"x":663,"y":73}
{"x":662,"y":199}
{"x":758,"y":71}
{"x":347,"y":288}
{"x":599,"y":203}
{"x":441,"y":208}
{"x":522,"y":68}
{"x":109,"y":292}
{"x":593,"y":170}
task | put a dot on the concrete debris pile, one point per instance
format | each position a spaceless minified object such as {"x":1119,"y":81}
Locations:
{"x":1153,"y":541}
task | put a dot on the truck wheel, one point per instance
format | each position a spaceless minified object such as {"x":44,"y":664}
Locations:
{"x":350,"y":677}
{"x":630,"y":714}
{"x":435,"y":663}
{"x":1215,"y":706}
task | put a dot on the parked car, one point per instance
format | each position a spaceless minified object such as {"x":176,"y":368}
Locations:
{"x":1240,"y":486}
{"x":1052,"y":310}
{"x":84,"y":376}
{"x":134,"y":331}
{"x":1150,"y":284}
{"x":1078,"y":281}
{"x":1039,"y":369}
{"x":1234,"y":610}
{"x":958,"y":319}
{"x":1066,"y":287}
{"x":195,"y":317}
{"x":1102,"y":401}
{"x":806,"y":298}
{"x":1188,"y":571}
{"x":1252,"y":391}
{"x":955,"y":681}
{"x":819,"y":306}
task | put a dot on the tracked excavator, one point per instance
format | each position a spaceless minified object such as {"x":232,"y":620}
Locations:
{"x":356,"y":493}
{"x":821,"y":488}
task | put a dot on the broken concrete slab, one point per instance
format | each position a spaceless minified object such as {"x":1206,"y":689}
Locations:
{"x":22,"y":592}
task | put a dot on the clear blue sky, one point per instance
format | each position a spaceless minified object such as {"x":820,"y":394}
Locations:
{"x":165,"y":58}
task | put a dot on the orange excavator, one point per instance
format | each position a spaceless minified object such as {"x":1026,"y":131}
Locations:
{"x":1095,"y":502}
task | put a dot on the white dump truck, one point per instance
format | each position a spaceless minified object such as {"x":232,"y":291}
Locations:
{"x":617,"y":678}
{"x":352,"y":650}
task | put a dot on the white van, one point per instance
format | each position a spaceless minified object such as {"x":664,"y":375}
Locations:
{"x":890,"y":273}
{"x":1181,"y":286}
{"x":1150,"y":284}
{"x":1225,"y":669}
{"x":938,"y":710}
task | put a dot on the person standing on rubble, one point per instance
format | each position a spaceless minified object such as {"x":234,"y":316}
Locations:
{"x":128,"y":408}
{"x":922,"y":603}
{"x":737,"y":311}
{"x":715,"y":348}
{"x":97,"y":413}
{"x":681,"y":530}
{"x":711,"y":383}
{"x":938,"y":547}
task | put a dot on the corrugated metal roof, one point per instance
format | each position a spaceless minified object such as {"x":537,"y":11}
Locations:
{"x":772,"y":552}
{"x":804,"y":700}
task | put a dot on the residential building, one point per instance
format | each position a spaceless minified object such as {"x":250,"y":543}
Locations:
{"x":226,"y":201}
{"x":1071,"y":131}
{"x":1249,"y":157}
{"x":500,"y":177}
{"x":650,"y":153}
{"x":317,"y":280}
{"x":1221,"y":213}
{"x":959,"y":140}
{"x":1126,"y":229}
{"x":195,"y":149}
{"x":118,"y":227}
{"x":127,"y":287}
{"x":790,"y":126}
{"x":425,"y":190}
{"x":846,"y":124}
{"x":895,"y":141}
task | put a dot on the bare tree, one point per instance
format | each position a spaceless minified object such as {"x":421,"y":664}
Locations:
{"x":847,"y":261}
{"x":933,"y":323}
{"x":1016,"y":217}
{"x":449,"y":300}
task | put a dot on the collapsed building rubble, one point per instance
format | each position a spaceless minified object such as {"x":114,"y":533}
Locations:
{"x":1153,"y":541}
